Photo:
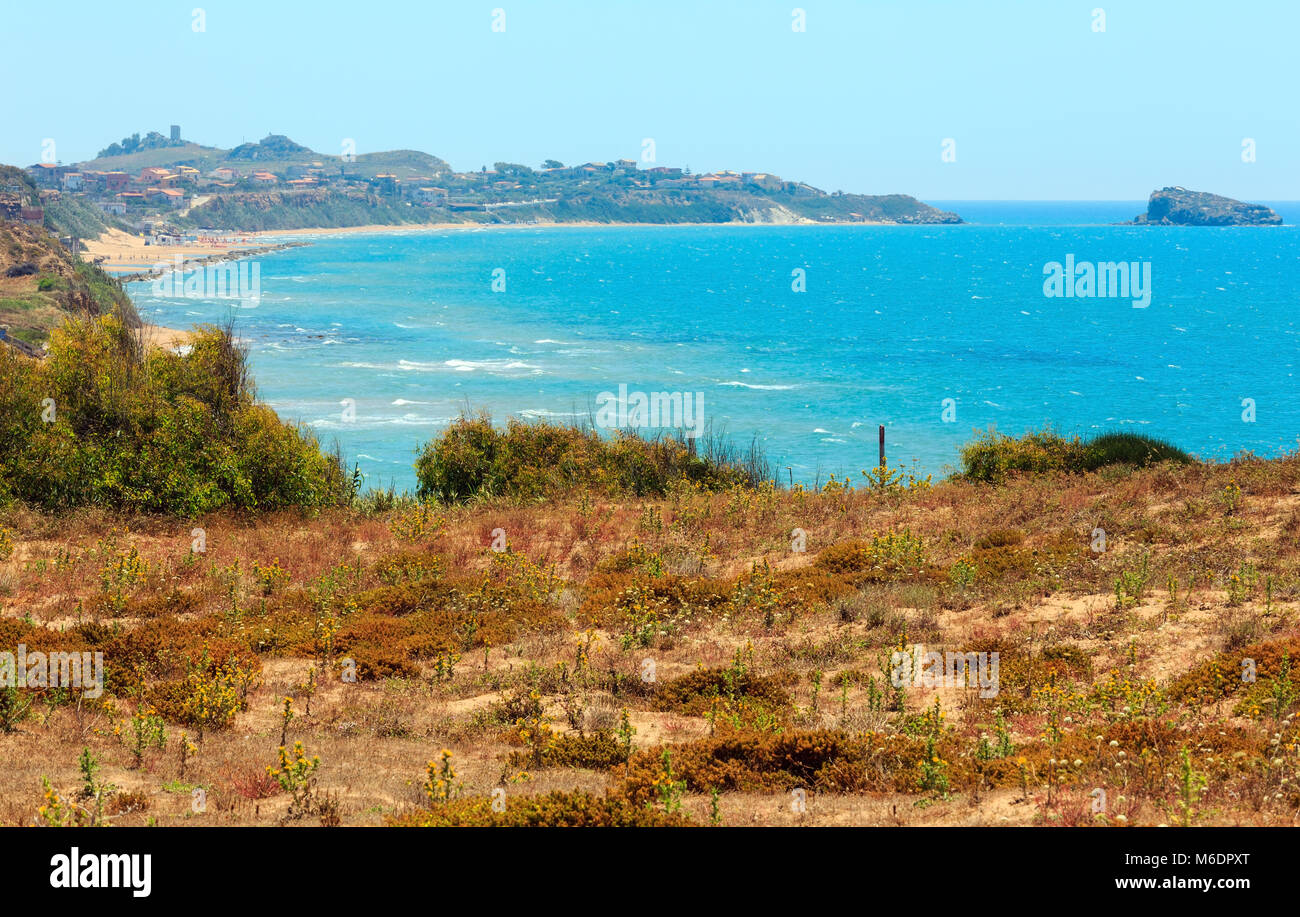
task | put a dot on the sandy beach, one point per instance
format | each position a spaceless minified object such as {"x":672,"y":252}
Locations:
{"x":122,"y":251}
{"x":411,"y":228}
{"x":167,"y":338}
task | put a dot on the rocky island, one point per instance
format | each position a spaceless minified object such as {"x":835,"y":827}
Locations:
{"x":1180,"y":207}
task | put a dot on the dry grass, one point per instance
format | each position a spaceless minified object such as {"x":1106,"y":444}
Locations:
{"x":495,"y":656}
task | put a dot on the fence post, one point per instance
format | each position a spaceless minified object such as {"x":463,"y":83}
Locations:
{"x":882,"y":456}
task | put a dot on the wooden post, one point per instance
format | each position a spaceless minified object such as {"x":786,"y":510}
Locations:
{"x":882,"y":455}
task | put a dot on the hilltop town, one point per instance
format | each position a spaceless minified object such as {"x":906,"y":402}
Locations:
{"x":169,"y":187}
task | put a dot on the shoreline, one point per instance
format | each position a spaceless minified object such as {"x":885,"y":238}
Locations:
{"x":125,"y":256}
{"x":415,"y":228}
{"x":235,"y":254}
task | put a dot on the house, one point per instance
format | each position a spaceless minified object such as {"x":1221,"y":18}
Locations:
{"x":433,"y":197}
{"x":386,"y":183}
{"x":150,"y":175}
{"x":664,"y":172}
{"x":302,"y":184}
{"x":225,"y":173}
{"x":187,"y":174}
{"x":72,"y":181}
{"x":130,"y":197}
{"x":34,"y":216}
{"x":764,"y":180}
{"x":625,"y":165}
{"x":117,"y":208}
{"x":264,"y":178}
{"x":47,"y":174}
{"x":116,"y":181}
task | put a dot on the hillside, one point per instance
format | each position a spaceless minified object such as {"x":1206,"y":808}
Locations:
{"x":679,"y":658}
{"x":274,"y":153}
{"x":277,"y":183}
{"x":42,"y":284}
{"x":270,"y":210}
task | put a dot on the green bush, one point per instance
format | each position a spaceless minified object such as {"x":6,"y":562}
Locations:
{"x":102,"y":422}
{"x":530,"y":461}
{"x":994,"y":456}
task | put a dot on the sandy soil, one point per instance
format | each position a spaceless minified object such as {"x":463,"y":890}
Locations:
{"x":122,"y":251}
{"x":170,"y":338}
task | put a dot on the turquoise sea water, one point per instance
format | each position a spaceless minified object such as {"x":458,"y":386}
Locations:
{"x":893,"y":321}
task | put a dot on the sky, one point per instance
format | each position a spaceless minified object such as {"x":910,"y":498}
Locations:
{"x":1030,"y":100}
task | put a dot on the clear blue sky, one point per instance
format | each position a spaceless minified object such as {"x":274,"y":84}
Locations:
{"x":1040,"y":105}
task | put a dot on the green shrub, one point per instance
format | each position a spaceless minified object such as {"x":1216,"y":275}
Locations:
{"x":103,"y":422}
{"x":994,"y":456}
{"x":531,"y":461}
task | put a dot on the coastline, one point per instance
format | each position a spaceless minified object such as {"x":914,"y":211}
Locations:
{"x":123,"y":251}
{"x":416,"y":228}
{"x":129,"y":259}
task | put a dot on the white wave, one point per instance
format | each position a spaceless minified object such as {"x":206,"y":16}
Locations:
{"x":539,"y":412}
{"x":764,"y":388}
{"x":469,"y":366}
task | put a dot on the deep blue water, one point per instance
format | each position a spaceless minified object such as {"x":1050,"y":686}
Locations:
{"x":894,"y":320}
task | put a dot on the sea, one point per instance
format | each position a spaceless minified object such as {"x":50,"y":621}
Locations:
{"x":803,"y":339}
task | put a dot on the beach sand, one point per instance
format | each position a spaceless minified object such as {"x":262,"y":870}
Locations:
{"x":168,"y":338}
{"x":122,"y":251}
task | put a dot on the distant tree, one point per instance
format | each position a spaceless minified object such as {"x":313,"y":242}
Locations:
{"x":552,"y":164}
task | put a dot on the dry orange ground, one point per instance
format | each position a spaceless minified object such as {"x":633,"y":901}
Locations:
{"x":766,"y":662}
